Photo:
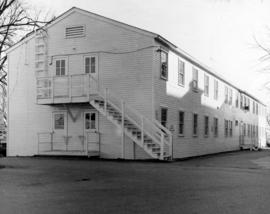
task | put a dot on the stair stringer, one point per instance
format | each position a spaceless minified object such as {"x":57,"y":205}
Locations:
{"x":132,"y":137}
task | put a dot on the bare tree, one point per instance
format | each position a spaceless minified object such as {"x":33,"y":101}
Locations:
{"x":16,"y":22}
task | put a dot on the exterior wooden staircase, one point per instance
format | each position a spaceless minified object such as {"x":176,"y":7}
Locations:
{"x":151,"y":136}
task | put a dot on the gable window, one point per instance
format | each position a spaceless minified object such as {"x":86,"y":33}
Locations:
{"x":195,"y":125}
{"x":206,"y":126}
{"x":195,"y":79}
{"x":59,"y":121}
{"x":215,"y":127}
{"x":181,"y":122}
{"x":60,"y":67}
{"x":164,"y":65}
{"x":75,"y":31}
{"x":90,"y":64}
{"x":206,"y":85}
{"x":163,"y":116}
{"x":181,"y":73}
{"x":215,"y":89}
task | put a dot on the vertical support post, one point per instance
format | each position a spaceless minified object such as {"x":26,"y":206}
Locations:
{"x":52,"y":89}
{"x":162,"y":147}
{"x":51,"y":141}
{"x":123,"y":128}
{"x":69,"y":87}
{"x":142,"y":130}
{"x":171,"y":145}
{"x":105,"y":101}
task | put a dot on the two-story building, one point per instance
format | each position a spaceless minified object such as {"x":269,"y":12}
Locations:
{"x":90,"y":85}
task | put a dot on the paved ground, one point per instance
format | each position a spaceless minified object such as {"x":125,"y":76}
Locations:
{"x":229,"y":183}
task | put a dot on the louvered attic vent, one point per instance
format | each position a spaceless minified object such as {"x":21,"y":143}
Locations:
{"x":75,"y":31}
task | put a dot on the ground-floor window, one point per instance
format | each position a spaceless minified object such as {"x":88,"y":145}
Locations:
{"x":163,"y":116}
{"x":195,"y":125}
{"x":206,"y":126}
{"x":181,"y":123}
{"x":215,"y":127}
{"x":59,"y":121}
{"x":231,"y":128}
{"x":226,"y":128}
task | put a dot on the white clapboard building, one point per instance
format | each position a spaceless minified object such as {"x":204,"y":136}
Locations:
{"x":92,"y":86}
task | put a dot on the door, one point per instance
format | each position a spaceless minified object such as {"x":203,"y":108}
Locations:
{"x":60,"y":139}
{"x":91,"y":68}
{"x":91,"y":133}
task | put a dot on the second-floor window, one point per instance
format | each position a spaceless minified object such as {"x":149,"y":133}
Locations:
{"x":215,"y":89}
{"x":164,"y":65}
{"x":206,"y":85}
{"x":60,"y":67}
{"x":230,"y":96}
{"x":195,"y":79}
{"x":181,"y":73}
{"x":90,"y":64}
{"x":226,"y":94}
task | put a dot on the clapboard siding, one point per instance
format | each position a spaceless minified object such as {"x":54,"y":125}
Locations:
{"x":178,"y":98}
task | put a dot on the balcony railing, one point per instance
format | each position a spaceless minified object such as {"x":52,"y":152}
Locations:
{"x":75,"y":87}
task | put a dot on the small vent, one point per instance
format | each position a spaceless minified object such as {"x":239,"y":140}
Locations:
{"x":75,"y":31}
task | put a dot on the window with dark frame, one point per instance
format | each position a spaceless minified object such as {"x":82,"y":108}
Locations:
{"x":195,"y":124}
{"x":226,"y":128}
{"x":181,"y":73}
{"x":164,"y":65}
{"x":215,"y":127}
{"x":206,"y":126}
{"x":231,"y":128}
{"x":163,"y":116}
{"x":181,"y":123}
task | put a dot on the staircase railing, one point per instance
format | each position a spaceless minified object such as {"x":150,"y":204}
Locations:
{"x":160,"y":134}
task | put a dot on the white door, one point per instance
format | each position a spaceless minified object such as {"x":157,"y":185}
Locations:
{"x":91,"y":68}
{"x":91,"y":133}
{"x":60,"y":141}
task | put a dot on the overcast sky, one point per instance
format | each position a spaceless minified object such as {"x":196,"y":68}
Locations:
{"x":219,"y":33}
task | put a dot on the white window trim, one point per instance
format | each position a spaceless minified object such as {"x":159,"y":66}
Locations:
{"x":96,"y":58}
{"x":66,"y":64}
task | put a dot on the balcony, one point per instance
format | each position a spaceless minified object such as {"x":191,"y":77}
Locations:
{"x":65,"y":89}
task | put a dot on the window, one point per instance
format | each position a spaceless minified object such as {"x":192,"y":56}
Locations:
{"x":248,"y":128}
{"x":206,"y":126}
{"x":231,"y":128}
{"x":90,"y":64}
{"x":195,"y":124}
{"x":215,"y":127}
{"x":181,"y":123}
{"x":256,"y":108}
{"x":226,"y":123}
{"x":253,"y":107}
{"x":164,"y":65}
{"x":90,"y":120}
{"x":163,"y":116}
{"x":75,"y":31}
{"x":59,"y":121}
{"x":206,"y":85}
{"x":230,"y":96}
{"x":244,"y":129}
{"x":60,"y":67}
{"x":226,"y":94}
{"x":237,"y":100}
{"x":215,"y":89}
{"x":241,"y":101}
{"x":181,"y":73}
{"x":195,"y":79}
